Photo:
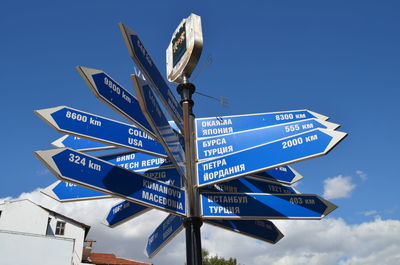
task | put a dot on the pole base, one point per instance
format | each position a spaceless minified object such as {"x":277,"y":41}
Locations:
{"x":193,"y":240}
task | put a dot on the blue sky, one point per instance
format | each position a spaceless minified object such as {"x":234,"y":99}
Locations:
{"x":337,"y":58}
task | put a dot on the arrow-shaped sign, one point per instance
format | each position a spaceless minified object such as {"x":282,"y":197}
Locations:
{"x":137,"y":161}
{"x":67,"y":192}
{"x":88,"y":171}
{"x":143,"y":60}
{"x":80,"y":144}
{"x":168,"y":137}
{"x":283,"y":174}
{"x":113,"y":94}
{"x":153,"y":167}
{"x":165,"y":232}
{"x":221,"y":145}
{"x":167,"y":175}
{"x":282,"y":152}
{"x":213,"y":126}
{"x":97,"y":128}
{"x":123,"y":212}
{"x":252,"y":206}
{"x":249,"y":185}
{"x":263,"y":230}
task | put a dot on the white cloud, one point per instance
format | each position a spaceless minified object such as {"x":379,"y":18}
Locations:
{"x":370,"y":212}
{"x":328,"y":241}
{"x":362,"y":175}
{"x":338,"y":187}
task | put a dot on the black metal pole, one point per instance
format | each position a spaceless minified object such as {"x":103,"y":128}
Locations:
{"x":193,"y":222}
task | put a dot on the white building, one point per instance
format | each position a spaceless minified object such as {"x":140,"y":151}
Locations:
{"x":31,"y":234}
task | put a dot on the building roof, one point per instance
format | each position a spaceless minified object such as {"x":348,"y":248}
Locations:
{"x":85,"y":226}
{"x":111,"y":259}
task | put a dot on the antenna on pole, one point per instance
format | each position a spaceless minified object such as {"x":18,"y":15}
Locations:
{"x":224,"y":101}
{"x":208,"y":62}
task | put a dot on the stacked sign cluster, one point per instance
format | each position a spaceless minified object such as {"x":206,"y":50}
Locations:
{"x":242,"y":161}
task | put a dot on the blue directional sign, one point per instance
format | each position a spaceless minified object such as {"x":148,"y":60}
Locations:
{"x":67,"y":192}
{"x":253,"y":206}
{"x":143,"y":60}
{"x":221,"y":145}
{"x":165,"y":232}
{"x":168,"y":137}
{"x":123,"y":212}
{"x":263,"y":230}
{"x":282,"y":152}
{"x":249,"y":185}
{"x":137,"y":161}
{"x":282,"y":174}
{"x":88,"y":171}
{"x":113,"y":94}
{"x":213,"y":126}
{"x":93,"y":127}
{"x":167,"y":175}
{"x":80,"y":144}
{"x":153,"y":167}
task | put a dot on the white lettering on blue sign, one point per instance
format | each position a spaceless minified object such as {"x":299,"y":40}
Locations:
{"x":222,"y":172}
{"x":139,"y":133}
{"x":162,"y":200}
{"x":161,"y":188}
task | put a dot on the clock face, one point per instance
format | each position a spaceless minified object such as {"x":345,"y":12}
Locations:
{"x":179,"y":45}
{"x":184,"y":50}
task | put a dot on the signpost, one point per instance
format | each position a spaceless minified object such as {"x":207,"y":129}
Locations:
{"x":165,"y":232}
{"x":282,"y":152}
{"x":250,"y":185}
{"x":67,"y":192}
{"x":230,"y":143}
{"x":167,"y":175}
{"x":168,"y":137}
{"x":97,"y":128}
{"x":113,"y":94}
{"x":207,"y":127}
{"x":143,"y":60}
{"x":282,"y":174}
{"x":137,"y":161}
{"x":123,"y":212}
{"x":88,"y":171}
{"x":254,"y":206}
{"x":230,"y":171}
{"x":263,"y":230}
{"x":80,"y":144}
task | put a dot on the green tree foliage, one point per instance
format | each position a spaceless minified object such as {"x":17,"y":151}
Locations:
{"x":215,"y":260}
